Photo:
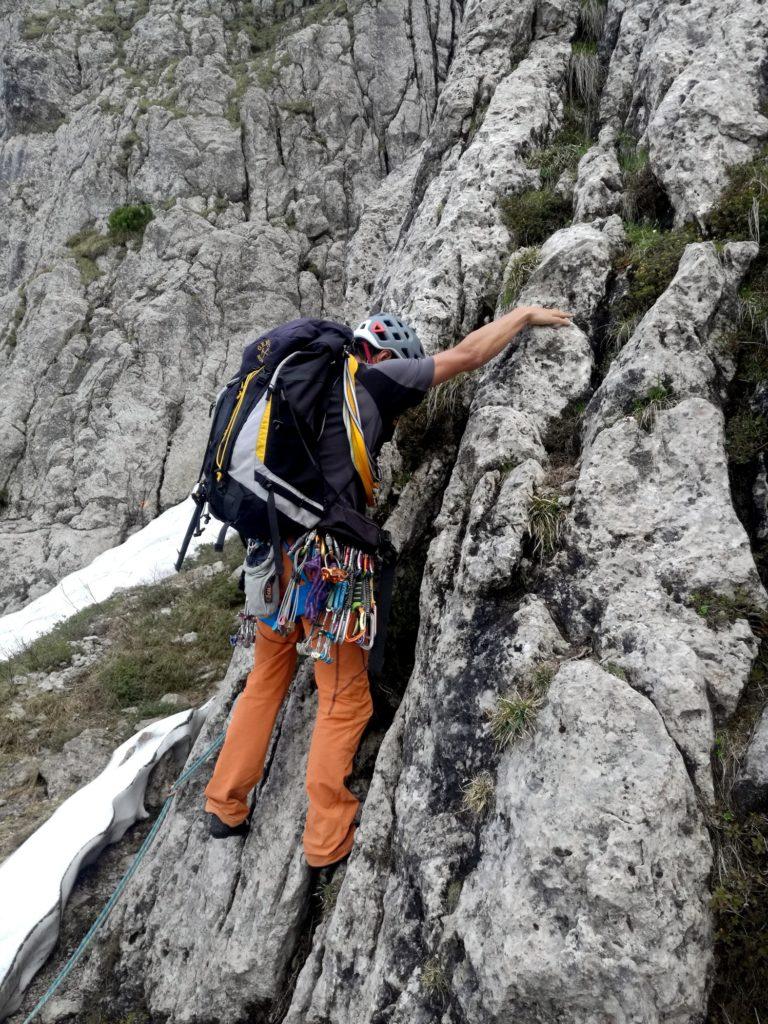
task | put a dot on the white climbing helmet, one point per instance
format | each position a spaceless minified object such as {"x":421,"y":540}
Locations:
{"x":385,"y":331}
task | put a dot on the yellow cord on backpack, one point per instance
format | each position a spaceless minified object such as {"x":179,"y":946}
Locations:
{"x":361,"y":457}
{"x":222,"y":449}
{"x":261,"y":440}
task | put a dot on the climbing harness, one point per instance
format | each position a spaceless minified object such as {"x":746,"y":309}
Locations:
{"x":340,"y":602}
{"x":121,"y":885}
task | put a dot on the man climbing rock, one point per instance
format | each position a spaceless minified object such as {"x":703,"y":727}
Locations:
{"x":391,"y":374}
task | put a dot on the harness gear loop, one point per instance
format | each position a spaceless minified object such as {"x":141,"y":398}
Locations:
{"x":340,"y":604}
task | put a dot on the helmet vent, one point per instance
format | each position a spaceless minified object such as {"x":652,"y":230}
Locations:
{"x":386,"y":331}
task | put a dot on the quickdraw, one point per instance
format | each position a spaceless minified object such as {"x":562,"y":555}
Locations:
{"x":246,"y":634}
{"x":340,"y":604}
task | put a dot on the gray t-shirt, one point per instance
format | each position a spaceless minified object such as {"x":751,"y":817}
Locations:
{"x":384,"y":392}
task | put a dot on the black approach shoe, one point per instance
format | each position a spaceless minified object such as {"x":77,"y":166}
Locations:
{"x":325,"y":884}
{"x":220,"y":830}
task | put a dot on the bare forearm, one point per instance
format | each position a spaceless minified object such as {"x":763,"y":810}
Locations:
{"x":479,"y":347}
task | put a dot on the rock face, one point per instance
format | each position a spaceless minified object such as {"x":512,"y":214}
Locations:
{"x":752,"y":782}
{"x":599,"y":185}
{"x":651,"y":497}
{"x":562,"y":910}
{"x":687,"y":79}
{"x":338,"y":158}
{"x":284,"y":184}
{"x":228,"y":889}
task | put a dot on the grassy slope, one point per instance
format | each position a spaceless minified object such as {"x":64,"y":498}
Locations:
{"x":139,"y":658}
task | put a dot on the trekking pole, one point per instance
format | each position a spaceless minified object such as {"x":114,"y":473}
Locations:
{"x":193,"y":530}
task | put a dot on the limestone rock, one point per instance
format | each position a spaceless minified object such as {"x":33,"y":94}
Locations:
{"x":652,"y":525}
{"x":685,"y":78}
{"x":80,"y":760}
{"x":751,"y":785}
{"x":652,"y":520}
{"x":675,"y":346}
{"x":535,"y":916}
{"x":598,"y":187}
{"x":61,"y":1009}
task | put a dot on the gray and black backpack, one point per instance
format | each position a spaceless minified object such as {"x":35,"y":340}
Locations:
{"x":260,"y":472}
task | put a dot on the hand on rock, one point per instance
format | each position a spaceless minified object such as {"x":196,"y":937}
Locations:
{"x":538,"y":316}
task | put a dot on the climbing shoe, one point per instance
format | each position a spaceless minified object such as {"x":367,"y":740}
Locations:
{"x":220,"y":830}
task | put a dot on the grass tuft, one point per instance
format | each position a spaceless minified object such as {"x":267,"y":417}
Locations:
{"x":89,"y":244}
{"x":640,"y":185}
{"x":646,"y":409}
{"x":327,"y":893}
{"x":264,"y":36}
{"x":35,"y":27}
{"x":742,"y":210}
{"x":513,"y":716}
{"x":566,"y":148}
{"x":240,"y":76}
{"x":725,"y":609}
{"x":124,"y":223}
{"x":478,"y":794}
{"x":650,"y":261}
{"x":519,"y":270}
{"x":546,"y":520}
{"x":534,"y":215}
{"x":739,"y":898}
{"x":11,"y":339}
{"x":592,"y":19}
{"x":515,"y":713}
{"x":746,"y":435}
{"x":563,"y":441}
{"x":446,"y":400}
{"x":584,"y":73}
{"x":434,"y":979}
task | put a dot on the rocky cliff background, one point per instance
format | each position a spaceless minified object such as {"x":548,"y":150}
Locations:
{"x":566,"y":777}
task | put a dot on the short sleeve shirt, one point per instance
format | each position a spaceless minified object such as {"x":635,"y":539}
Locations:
{"x":384,"y":392}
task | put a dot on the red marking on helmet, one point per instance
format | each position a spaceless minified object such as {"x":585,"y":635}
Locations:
{"x":378,"y":327}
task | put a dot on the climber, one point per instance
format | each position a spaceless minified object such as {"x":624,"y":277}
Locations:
{"x":393,"y":375}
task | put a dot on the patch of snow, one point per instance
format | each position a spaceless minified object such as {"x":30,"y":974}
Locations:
{"x":147,"y":556}
{"x":36,"y":880}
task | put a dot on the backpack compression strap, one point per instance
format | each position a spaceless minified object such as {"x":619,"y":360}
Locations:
{"x":361,"y":457}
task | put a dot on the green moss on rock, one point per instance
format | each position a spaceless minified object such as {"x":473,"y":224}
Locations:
{"x":129,"y":221}
{"x":746,"y":434}
{"x":566,"y":148}
{"x":650,"y":262}
{"x":739,"y":899}
{"x":534,"y":215}
{"x":742,"y":210}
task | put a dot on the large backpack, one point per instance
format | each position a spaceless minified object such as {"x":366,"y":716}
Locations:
{"x":260,"y":473}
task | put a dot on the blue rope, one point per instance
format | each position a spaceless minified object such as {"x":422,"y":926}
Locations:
{"x":110,"y":905}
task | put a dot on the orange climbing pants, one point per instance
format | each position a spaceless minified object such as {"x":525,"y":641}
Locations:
{"x":343,"y":710}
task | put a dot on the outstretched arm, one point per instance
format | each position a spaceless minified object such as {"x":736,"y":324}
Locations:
{"x":479,"y":347}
